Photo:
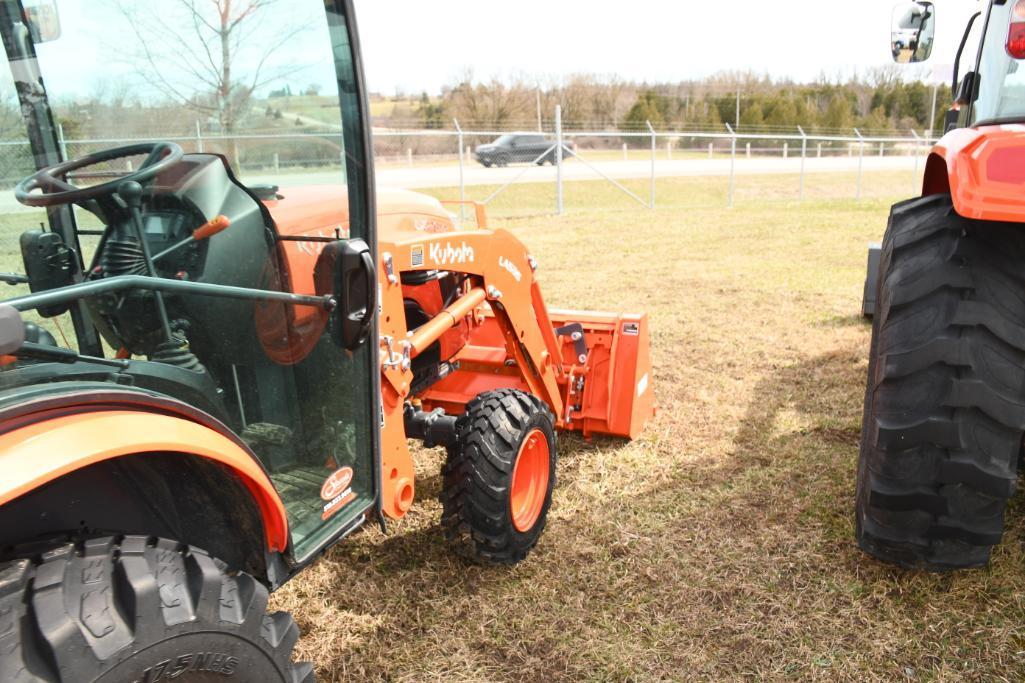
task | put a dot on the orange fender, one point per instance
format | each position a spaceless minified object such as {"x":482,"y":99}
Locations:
{"x":39,"y":453}
{"x":984,"y":171}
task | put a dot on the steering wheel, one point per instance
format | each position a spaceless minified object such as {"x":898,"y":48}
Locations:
{"x":57,"y":190}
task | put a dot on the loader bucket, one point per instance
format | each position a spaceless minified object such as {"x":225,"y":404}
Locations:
{"x":617,"y":394}
{"x":609,"y":360}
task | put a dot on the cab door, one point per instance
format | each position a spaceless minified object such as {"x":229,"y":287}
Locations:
{"x":324,"y":390}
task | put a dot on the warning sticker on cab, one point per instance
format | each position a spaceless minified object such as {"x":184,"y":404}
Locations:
{"x":633,"y":329}
{"x":337,"y":491}
{"x":416,"y":258}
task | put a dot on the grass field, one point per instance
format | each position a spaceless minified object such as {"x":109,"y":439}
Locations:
{"x":719,"y":546}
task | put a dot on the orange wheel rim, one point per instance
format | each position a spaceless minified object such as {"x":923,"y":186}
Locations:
{"x":529,"y":481}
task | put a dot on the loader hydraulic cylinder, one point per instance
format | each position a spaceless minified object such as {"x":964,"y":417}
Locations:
{"x":429,"y":332}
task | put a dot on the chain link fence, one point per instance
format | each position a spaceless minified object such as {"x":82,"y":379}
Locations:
{"x":482,"y":165}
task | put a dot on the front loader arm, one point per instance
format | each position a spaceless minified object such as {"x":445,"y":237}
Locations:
{"x":501,"y":278}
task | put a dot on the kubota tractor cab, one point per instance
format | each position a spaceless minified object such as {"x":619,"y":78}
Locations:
{"x":945,"y":405}
{"x":219,"y":336}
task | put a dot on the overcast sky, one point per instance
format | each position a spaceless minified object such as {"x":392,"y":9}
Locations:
{"x":421,"y":45}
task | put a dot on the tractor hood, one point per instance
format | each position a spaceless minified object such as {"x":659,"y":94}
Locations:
{"x":322,"y":210}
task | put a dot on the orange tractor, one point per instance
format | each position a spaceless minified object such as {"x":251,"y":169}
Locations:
{"x":248,"y":363}
{"x":945,"y":404}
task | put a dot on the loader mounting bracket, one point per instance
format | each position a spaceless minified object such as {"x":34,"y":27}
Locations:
{"x":575,"y":331}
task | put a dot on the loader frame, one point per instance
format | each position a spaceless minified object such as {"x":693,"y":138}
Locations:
{"x":591,"y":369}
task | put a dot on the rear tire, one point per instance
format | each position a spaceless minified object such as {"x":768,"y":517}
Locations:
{"x":492,"y":512}
{"x":139,"y":610}
{"x":945,"y":402}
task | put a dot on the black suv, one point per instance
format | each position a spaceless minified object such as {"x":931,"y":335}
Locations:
{"x":513,"y":147}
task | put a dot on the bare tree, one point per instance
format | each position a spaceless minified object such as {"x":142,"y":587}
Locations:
{"x":607,"y":100}
{"x":209,"y":55}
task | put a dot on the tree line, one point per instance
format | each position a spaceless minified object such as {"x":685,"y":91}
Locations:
{"x":879,"y":101}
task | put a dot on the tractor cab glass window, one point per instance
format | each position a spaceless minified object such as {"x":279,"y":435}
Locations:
{"x":1001,"y":73}
{"x":205,"y":155}
{"x":912,"y":32}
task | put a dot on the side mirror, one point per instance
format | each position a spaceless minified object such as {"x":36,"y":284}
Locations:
{"x":44,"y":23}
{"x":12,"y":330}
{"x":345,"y":270}
{"x":912,"y":32}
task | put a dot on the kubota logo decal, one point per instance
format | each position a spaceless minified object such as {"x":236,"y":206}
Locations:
{"x":446,"y":254}
{"x":511,"y":267}
{"x":336,"y":483}
{"x":431,"y":225}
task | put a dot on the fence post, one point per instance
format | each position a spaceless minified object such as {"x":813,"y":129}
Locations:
{"x":558,"y":159}
{"x":654,"y":144}
{"x":60,"y":142}
{"x":199,"y":137}
{"x":882,"y":147}
{"x":748,"y":151}
{"x":733,"y":162}
{"x":624,"y":152}
{"x":409,"y":156}
{"x":914,"y":153}
{"x":804,"y":153}
{"x":462,"y":186}
{"x":818,"y":152}
{"x":711,"y":147}
{"x":786,"y":149}
{"x":669,"y":150}
{"x":861,"y":160}
{"x":277,"y":165}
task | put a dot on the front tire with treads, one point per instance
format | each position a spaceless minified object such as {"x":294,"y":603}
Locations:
{"x":139,"y":610}
{"x":945,"y":402}
{"x":499,"y":477}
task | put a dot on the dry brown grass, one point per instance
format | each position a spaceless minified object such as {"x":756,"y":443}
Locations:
{"x":720,"y":544}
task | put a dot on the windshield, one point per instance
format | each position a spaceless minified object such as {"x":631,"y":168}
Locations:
{"x":1001,"y":77}
{"x":504,"y":140}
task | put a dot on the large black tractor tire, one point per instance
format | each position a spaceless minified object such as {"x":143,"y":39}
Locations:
{"x":480,"y":516}
{"x":945,"y":403}
{"x":139,"y":610}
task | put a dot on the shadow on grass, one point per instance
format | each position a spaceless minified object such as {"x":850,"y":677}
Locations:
{"x":821,"y":400}
{"x":845,"y":321}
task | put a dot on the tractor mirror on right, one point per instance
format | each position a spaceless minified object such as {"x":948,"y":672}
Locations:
{"x":944,"y":415}
{"x":912,"y":33}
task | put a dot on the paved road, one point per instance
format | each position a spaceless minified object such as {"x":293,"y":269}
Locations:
{"x":419,"y":177}
{"x":474,"y":174}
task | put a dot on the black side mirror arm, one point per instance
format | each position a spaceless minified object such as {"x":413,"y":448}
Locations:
{"x":960,"y":51}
